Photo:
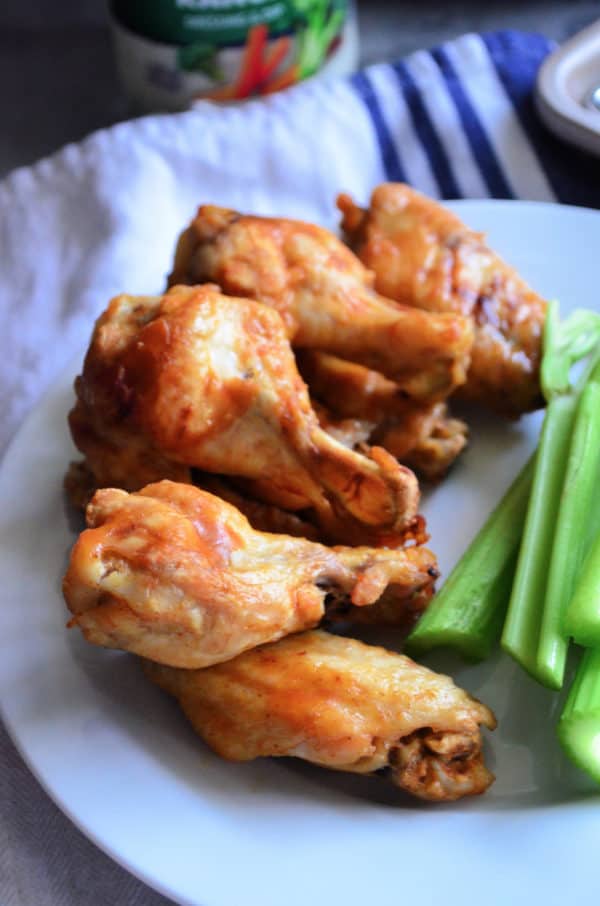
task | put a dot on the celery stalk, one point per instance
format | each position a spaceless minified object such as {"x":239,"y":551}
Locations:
{"x":520,"y":636}
{"x":594,"y":524}
{"x":564,"y":344}
{"x":467,"y":613}
{"x":582,"y":617}
{"x":533,"y":639}
{"x":571,"y":536}
{"x":579,"y":725}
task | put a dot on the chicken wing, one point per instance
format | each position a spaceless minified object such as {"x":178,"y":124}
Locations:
{"x":195,"y":379}
{"x":423,"y":255}
{"x":343,"y":705}
{"x":325,"y":297}
{"x":428,"y":441}
{"x":179,"y":576}
{"x":262,"y":516}
{"x":352,"y":432}
{"x":370,"y":408}
{"x":80,"y":487}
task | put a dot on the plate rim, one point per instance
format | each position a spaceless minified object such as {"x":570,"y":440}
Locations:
{"x":152,"y":880}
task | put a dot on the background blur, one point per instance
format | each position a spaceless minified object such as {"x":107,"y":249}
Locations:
{"x":57,"y":78}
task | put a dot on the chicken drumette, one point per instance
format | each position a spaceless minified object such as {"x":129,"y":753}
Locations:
{"x":370,"y":408}
{"x":80,"y":486}
{"x":325,"y":297}
{"x":195,"y":379}
{"x":423,"y":255}
{"x":179,"y":576}
{"x":341,"y":704}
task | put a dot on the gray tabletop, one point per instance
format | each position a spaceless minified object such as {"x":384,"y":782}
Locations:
{"x":57,"y":84}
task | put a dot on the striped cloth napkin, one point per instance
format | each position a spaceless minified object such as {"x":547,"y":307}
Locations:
{"x":459,"y":122}
{"x":101,"y":217}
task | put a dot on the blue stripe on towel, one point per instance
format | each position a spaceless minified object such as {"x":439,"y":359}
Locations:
{"x":481,"y":147}
{"x":573,"y":175}
{"x":427,"y":134}
{"x":392,"y":165}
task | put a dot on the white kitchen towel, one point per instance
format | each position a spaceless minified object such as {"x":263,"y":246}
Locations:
{"x":102,"y":217}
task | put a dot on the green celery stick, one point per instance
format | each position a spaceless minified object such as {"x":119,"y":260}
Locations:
{"x":571,"y":534}
{"x":563,"y":345}
{"x":582,"y":617}
{"x":594,"y":524}
{"x":579,"y":725}
{"x":520,"y":636}
{"x":467,"y":613}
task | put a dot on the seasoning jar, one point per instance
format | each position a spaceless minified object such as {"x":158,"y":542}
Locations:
{"x":172,"y":52}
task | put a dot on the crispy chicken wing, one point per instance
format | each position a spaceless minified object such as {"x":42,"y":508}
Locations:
{"x":81,"y":486}
{"x":427,"y":441}
{"x":179,"y":576}
{"x":370,"y":408}
{"x":340,"y":704}
{"x":195,"y":379}
{"x":423,"y":255}
{"x":325,"y":297}
{"x":352,"y":432}
{"x":262,"y":516}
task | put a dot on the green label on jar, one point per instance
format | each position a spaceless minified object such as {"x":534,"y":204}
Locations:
{"x":227,"y":25}
{"x":220,"y":22}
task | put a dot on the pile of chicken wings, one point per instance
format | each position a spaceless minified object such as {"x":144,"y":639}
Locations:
{"x":252,"y":441}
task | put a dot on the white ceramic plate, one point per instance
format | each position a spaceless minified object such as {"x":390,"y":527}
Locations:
{"x":118,"y":758}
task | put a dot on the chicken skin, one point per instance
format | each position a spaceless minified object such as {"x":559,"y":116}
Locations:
{"x":198,"y":380}
{"x":325,"y":297}
{"x":352,"y":432}
{"x":178,"y":575}
{"x":423,"y":255}
{"x":80,"y":487}
{"x":370,"y":408}
{"x":262,"y":516}
{"x":341,"y":704}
